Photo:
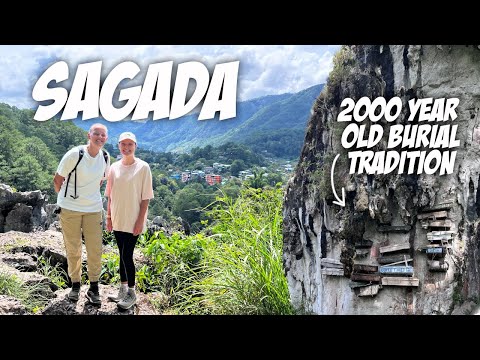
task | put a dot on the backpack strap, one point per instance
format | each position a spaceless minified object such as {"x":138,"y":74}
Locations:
{"x":81,"y":151}
{"x":80,"y":156}
{"x":106,"y":158}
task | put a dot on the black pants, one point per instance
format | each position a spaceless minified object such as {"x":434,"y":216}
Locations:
{"x":126,"y":244}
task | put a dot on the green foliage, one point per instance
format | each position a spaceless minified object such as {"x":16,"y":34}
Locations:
{"x":320,"y":183}
{"x":31,"y":149}
{"x":191,"y":202}
{"x":279,"y":118}
{"x":258,"y":181}
{"x":173,"y":198}
{"x":280,"y":143}
{"x":110,"y":268}
{"x":230,"y":190}
{"x":30,"y":295}
{"x":108,"y":238}
{"x":243,"y":274}
{"x":148,"y":279}
{"x":275,"y":179}
{"x":174,"y":263}
{"x":186,"y":205}
{"x":26,"y":174}
{"x":343,"y":64}
{"x":237,"y":166}
{"x":321,"y":177}
{"x":55,"y":273}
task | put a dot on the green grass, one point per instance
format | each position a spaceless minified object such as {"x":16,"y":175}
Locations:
{"x":243,"y":273}
{"x":110,"y":268}
{"x":54,"y":272}
{"x":30,"y":296}
{"x":233,"y":267}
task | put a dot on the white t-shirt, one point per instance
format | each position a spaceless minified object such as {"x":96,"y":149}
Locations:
{"x":90,"y":171}
{"x":127,"y":186}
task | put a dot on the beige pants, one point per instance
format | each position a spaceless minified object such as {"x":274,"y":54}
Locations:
{"x":73,"y":223}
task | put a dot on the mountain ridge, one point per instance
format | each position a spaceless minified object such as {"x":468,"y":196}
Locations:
{"x":277,"y":113}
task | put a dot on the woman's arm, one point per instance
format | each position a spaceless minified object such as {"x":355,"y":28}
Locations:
{"x":138,"y":228}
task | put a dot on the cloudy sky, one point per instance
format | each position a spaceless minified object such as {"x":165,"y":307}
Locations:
{"x":264,"y":69}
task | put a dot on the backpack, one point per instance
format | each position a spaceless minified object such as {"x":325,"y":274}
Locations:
{"x":81,"y":152}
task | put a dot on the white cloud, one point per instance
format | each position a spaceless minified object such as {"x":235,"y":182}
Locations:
{"x":264,"y":69}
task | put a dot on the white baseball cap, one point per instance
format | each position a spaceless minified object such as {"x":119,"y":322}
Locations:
{"x":127,"y":135}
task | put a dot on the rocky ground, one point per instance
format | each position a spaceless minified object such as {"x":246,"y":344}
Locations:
{"x":19,"y":254}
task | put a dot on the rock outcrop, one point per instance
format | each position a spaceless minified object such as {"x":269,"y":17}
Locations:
{"x":403,"y":243}
{"x":22,"y":211}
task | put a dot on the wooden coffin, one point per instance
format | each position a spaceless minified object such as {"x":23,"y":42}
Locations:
{"x":361,"y":268}
{"x":361,"y":253}
{"x":441,"y":232}
{"x":437,"y":265}
{"x":394,"y":229}
{"x":441,"y":206}
{"x":399,"y":281}
{"x":332,"y":271}
{"x":440,"y":236}
{"x":435,"y":250}
{"x":389,"y":259}
{"x":331,"y":263}
{"x":434,"y":215}
{"x":370,"y":290}
{"x":396,"y":247}
{"x":364,"y":243}
{"x":365,"y":277}
{"x":447,"y":223}
{"x":397,"y":270}
{"x":356,"y":285}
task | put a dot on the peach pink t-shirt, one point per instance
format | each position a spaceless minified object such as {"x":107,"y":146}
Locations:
{"x":127,"y":186}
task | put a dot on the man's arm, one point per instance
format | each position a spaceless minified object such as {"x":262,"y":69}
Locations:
{"x":57,"y":182}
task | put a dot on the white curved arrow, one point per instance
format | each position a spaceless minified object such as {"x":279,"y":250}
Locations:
{"x":339,"y":201}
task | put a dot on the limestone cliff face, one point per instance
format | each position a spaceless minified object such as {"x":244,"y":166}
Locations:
{"x":393,"y":216}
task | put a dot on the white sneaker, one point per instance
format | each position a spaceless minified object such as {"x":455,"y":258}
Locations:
{"x":128,"y":301}
{"x":121,"y":294}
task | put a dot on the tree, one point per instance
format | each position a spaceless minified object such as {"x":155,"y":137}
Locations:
{"x":162,"y":203}
{"x":27,"y":174}
{"x":186,"y":205}
{"x":231,"y":190}
{"x":274,"y":178}
{"x":37,"y":148}
{"x":237,"y":166}
{"x":258,"y":181}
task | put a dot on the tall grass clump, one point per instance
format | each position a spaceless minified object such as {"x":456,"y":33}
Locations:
{"x":55,"y":272}
{"x":173,"y":264}
{"x":244,"y":274}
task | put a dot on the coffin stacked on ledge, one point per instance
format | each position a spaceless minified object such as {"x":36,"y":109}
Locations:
{"x":396,"y":270}
{"x":395,"y":262}
{"x":436,"y":220}
{"x":331,"y":267}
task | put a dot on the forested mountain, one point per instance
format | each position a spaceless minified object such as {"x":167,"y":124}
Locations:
{"x":30,"y":150}
{"x":273,"y":124}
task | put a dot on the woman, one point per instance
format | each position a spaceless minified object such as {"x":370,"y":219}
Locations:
{"x":129,"y":190}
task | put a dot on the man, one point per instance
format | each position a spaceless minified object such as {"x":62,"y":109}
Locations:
{"x":81,"y":207}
